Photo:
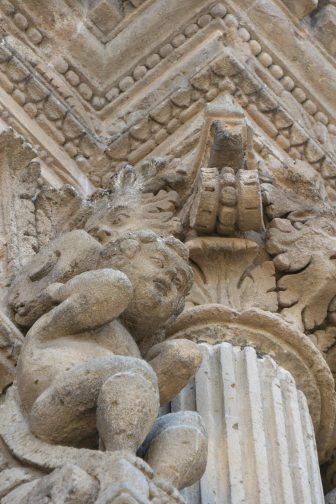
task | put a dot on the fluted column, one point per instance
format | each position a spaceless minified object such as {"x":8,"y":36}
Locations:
{"x":262,"y":446}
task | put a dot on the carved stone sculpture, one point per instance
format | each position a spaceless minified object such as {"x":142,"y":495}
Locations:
{"x":167,"y":192}
{"x":88,"y":307}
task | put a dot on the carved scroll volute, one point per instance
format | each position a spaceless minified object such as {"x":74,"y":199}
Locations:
{"x":203,"y":214}
{"x":228,"y":195}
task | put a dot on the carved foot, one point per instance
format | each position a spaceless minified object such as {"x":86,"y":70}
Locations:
{"x":177,"y":448}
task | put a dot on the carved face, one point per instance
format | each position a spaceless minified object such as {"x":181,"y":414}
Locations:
{"x":161,"y":279}
{"x":110,"y":223}
{"x":59,"y":261}
{"x":134,"y":213}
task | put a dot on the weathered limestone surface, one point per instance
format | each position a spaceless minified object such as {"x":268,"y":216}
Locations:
{"x":167,"y":193}
{"x":325,"y":26}
{"x":81,"y":379}
{"x":301,"y":8}
{"x":331,"y":498}
{"x":261,"y":438}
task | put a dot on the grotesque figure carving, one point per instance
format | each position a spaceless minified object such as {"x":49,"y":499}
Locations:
{"x":146,"y":198}
{"x":150,"y":197}
{"x":89,"y":306}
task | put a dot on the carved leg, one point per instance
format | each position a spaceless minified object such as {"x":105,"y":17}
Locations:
{"x":126,"y":391}
{"x":175,"y":363}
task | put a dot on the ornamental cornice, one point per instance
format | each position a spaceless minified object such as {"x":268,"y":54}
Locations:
{"x":242,"y":22}
{"x":169,"y":102}
{"x":226,"y":74}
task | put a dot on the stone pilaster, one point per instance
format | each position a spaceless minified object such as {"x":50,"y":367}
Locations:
{"x":262,"y":446}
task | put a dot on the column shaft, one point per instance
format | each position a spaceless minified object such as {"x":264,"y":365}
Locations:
{"x":262,"y":446}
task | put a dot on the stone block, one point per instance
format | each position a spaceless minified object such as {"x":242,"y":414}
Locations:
{"x":107,"y":14}
{"x":325,"y":28}
{"x":301,"y":8}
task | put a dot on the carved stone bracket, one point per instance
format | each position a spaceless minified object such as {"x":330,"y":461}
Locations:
{"x":228,"y":193}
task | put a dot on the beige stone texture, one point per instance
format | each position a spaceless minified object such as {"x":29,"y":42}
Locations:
{"x":167,"y":179}
{"x":119,"y":472}
{"x":325,"y":26}
{"x":78,"y":359}
{"x":262,"y":448}
{"x":301,"y":8}
{"x":269,"y":334}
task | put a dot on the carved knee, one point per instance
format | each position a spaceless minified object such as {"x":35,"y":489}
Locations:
{"x":162,"y":448}
{"x":175,"y":363}
{"x":127,"y":407}
{"x":107,"y":393}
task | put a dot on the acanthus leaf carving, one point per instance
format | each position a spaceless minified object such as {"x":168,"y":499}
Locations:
{"x":304,"y":254}
{"x":151,"y":196}
{"x":302,"y":241}
{"x":229,"y":271}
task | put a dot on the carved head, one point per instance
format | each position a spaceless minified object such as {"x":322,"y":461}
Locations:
{"x":60,"y":260}
{"x":135,"y":200}
{"x":159,"y":272}
{"x":116,"y":210}
{"x":157,"y":267}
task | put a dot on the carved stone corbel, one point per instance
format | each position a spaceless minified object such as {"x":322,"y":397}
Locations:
{"x":228,"y":194}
